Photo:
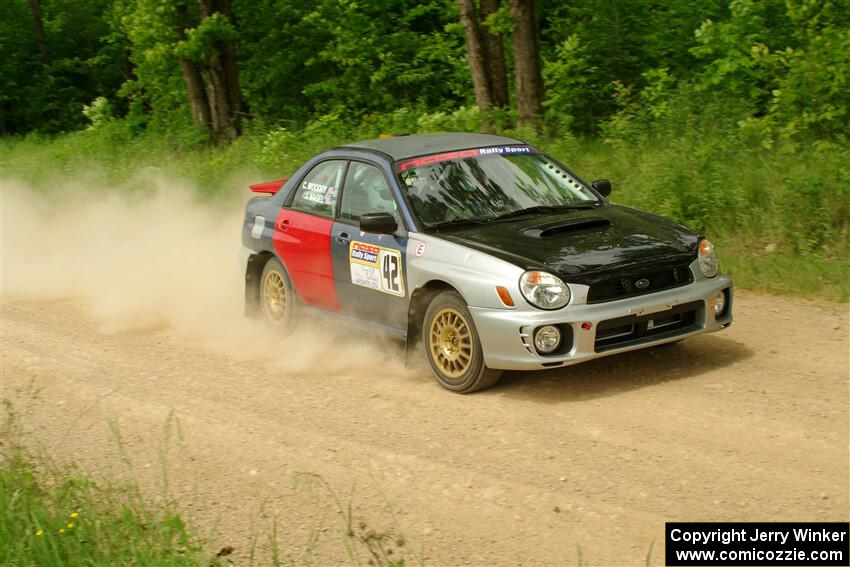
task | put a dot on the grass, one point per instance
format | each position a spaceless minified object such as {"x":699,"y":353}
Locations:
{"x":780,"y":220}
{"x":52,"y":518}
{"x":59,"y":516}
{"x":779,"y":215}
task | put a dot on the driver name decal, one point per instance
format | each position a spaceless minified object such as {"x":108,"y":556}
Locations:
{"x":376,"y":267}
{"x":318,"y":193}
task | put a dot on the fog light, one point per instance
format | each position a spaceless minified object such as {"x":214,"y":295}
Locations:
{"x":547,"y":339}
{"x":718,"y":303}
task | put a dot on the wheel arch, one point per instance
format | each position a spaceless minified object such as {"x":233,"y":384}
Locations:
{"x":419,"y":301}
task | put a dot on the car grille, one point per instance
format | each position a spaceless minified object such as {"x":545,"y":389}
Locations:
{"x":639,"y":284}
{"x":634,"y":329}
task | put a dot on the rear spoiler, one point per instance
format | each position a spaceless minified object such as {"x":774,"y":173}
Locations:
{"x":269,"y":187}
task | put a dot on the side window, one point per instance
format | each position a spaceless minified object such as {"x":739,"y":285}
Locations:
{"x":318,"y":191}
{"x":366,"y":191}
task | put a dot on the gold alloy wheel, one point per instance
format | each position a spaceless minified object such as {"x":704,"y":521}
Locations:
{"x":450,"y":341}
{"x":274,"y":296}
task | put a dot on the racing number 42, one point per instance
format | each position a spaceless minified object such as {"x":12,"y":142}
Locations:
{"x":391,"y":272}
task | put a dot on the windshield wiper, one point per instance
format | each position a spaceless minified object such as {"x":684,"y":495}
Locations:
{"x":457,"y":222}
{"x":541,"y":209}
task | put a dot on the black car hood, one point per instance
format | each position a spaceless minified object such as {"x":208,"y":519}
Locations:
{"x":583,"y":246}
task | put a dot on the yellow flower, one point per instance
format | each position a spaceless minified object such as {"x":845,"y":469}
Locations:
{"x":73,"y":515}
{"x":61,"y":530}
{"x":70,"y":524}
{"x":39,"y":533}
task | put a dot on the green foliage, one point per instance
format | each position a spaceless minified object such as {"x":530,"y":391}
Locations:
{"x":737,"y":53}
{"x":788,"y":62}
{"x":767,"y":208}
{"x":773,"y":206}
{"x":592,"y":50}
{"x":99,"y":112}
{"x":199,"y":40}
{"x":814,"y":94}
{"x":353,"y":58}
{"x":780,"y":66}
{"x":153,"y":29}
{"x":60,"y":517}
{"x":464,"y":119}
{"x":82,"y":64}
{"x":20,"y":60}
{"x":284,"y":150}
{"x":568,"y":79}
{"x":500,"y":22}
{"x":389,"y":53}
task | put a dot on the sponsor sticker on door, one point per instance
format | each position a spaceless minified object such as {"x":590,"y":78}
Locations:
{"x":376,"y":267}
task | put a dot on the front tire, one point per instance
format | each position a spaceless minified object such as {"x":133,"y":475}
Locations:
{"x":276,"y":295}
{"x":452,"y":346}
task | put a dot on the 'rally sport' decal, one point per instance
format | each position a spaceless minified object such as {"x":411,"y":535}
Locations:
{"x":461,"y":154}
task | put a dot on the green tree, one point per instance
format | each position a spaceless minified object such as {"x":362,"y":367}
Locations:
{"x":174,"y":41}
{"x":351,"y":58}
{"x":53,"y":67}
{"x":787,"y":61}
{"x":593,"y":49}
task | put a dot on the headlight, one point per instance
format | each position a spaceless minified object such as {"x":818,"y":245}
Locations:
{"x":707,"y":259}
{"x":544,"y":290}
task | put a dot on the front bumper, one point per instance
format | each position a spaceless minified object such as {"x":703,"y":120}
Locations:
{"x":639,"y":322}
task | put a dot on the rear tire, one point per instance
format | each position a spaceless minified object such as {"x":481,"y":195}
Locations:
{"x":276,"y":295}
{"x":452,"y":347}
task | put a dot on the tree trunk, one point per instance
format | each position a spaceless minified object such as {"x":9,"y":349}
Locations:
{"x":529,"y":81}
{"x":38,"y":27}
{"x":192,"y":76}
{"x":495,"y":57}
{"x":197,"y":94}
{"x":223,"y":91}
{"x":222,"y":129}
{"x":476,"y":55}
{"x":231,"y":77}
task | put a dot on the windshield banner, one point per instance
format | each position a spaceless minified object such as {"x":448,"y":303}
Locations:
{"x":461,"y":154}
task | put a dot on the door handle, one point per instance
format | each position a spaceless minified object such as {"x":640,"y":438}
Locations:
{"x":284,"y":224}
{"x":343,"y":238}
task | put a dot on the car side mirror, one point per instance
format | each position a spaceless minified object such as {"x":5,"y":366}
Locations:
{"x":602,"y":186}
{"x":378,"y":223}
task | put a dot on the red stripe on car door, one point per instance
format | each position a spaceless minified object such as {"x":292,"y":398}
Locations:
{"x":303,"y":242}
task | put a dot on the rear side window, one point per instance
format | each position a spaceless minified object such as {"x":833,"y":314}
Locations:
{"x":366,"y":191}
{"x":319,"y":189}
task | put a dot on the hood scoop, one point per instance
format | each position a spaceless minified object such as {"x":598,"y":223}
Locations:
{"x":554,"y":228}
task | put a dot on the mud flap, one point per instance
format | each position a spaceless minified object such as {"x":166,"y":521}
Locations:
{"x":409,"y":346}
{"x":253,"y":269}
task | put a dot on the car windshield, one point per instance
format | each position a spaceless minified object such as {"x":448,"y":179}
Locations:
{"x":489,"y":184}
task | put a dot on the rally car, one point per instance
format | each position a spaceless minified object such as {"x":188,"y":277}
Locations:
{"x":483,"y":249}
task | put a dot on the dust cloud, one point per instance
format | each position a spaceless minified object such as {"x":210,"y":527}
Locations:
{"x":160,"y":258}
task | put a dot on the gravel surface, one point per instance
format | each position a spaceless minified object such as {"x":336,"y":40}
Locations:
{"x":744,"y":425}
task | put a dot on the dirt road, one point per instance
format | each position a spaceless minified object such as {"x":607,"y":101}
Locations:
{"x":747,"y":424}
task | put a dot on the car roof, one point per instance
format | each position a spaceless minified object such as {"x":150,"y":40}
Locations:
{"x":402,"y":147}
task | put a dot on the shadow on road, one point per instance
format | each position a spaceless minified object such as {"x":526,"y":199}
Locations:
{"x":624,"y":372}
